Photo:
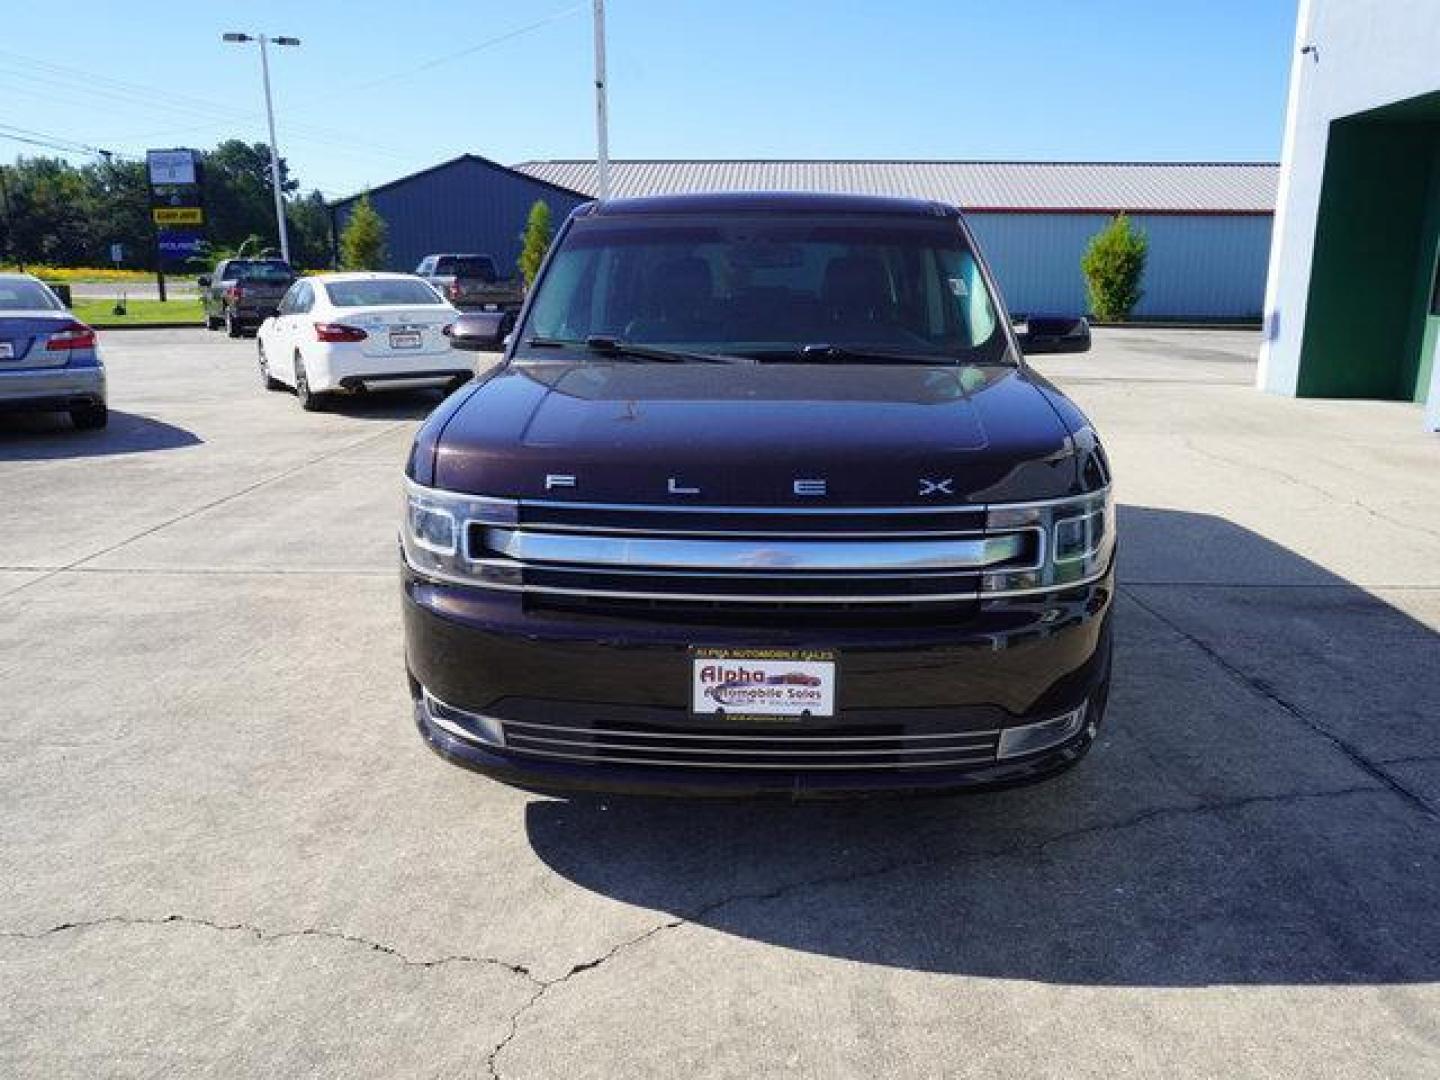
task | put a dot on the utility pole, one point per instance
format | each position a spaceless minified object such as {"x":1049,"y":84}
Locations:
{"x":602,"y":122}
{"x":264,"y":41}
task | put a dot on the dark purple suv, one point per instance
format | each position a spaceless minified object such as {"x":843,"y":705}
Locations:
{"x":763,"y":498}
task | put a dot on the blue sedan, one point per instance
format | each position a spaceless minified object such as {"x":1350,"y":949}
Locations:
{"x":49,"y":361}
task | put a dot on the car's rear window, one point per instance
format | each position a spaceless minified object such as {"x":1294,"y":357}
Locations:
{"x":474,"y":266}
{"x":277,"y":272}
{"x":380,"y":292}
{"x":21,"y":295}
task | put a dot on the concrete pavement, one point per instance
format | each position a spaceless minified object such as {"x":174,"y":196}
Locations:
{"x":224,"y":851}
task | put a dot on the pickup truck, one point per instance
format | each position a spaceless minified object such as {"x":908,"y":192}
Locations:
{"x":240,"y":294}
{"x":764,"y":497}
{"x":471,"y":282}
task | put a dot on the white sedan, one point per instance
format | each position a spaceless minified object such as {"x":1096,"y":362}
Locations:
{"x":341,"y":333}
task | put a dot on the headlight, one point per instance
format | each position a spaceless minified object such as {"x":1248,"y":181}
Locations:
{"x":1076,"y":539}
{"x":435,"y":530}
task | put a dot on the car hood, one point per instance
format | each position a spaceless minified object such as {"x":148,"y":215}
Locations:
{"x":744,"y":434}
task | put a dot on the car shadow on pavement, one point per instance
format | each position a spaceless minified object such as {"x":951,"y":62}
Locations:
{"x":51,"y":437}
{"x":1245,"y":819}
{"x":387,"y":404}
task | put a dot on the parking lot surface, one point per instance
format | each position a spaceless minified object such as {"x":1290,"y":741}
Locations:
{"x":225,"y":851}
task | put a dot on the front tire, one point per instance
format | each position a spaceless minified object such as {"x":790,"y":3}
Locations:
{"x":309,"y":400}
{"x":90,"y":417}
{"x":212,"y":323}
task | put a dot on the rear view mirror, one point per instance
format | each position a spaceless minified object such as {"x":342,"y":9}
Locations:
{"x":1055,"y":334}
{"x":203,"y":281}
{"x":479,"y":331}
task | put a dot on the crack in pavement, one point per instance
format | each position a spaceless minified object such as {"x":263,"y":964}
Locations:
{"x":263,"y":935}
{"x":544,"y":986}
{"x":1021,"y":847}
{"x":1264,"y":690}
{"x":1359,"y":504}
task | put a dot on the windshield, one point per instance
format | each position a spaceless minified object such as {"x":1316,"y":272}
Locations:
{"x":766,"y":285}
{"x":468,"y":266}
{"x":277,"y":272}
{"x":381,"y":292}
{"x":17,"y":294}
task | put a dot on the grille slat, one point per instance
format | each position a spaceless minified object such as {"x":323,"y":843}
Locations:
{"x":702,"y":559}
{"x":813,"y":749}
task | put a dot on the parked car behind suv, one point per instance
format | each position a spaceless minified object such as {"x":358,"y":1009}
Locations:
{"x":346,"y":333}
{"x":49,"y":361}
{"x":242,"y":293}
{"x":763,"y":498}
{"x":471,"y":282}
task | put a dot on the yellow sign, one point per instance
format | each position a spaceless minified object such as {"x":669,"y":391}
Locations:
{"x":178,"y":215}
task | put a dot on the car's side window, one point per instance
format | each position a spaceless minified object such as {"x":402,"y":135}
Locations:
{"x":445,"y":264}
{"x":304,"y":297}
{"x":287,"y":302}
{"x":220,"y":270}
{"x":427,"y":265}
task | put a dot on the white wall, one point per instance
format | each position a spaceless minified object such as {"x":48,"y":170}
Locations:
{"x":1369,"y":53}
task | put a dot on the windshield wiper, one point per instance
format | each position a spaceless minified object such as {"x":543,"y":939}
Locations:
{"x":824,"y":352}
{"x":623,"y":350}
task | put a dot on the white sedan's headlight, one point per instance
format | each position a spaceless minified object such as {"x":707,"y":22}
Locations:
{"x":436,"y":526}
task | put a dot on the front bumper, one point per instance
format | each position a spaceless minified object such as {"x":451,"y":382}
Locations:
{"x":480,"y":662}
{"x":51,"y":389}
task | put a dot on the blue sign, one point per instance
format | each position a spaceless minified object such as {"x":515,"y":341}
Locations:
{"x":180,"y":245}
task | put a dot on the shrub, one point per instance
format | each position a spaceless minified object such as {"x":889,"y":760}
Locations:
{"x":362,"y":241}
{"x":1113,"y":264}
{"x":81,"y":273}
{"x":537,"y":241}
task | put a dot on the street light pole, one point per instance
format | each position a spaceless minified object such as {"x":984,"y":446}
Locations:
{"x":264,"y":41}
{"x":602,"y":122}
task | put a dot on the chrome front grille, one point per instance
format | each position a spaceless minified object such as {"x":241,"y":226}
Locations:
{"x":748,"y":556}
{"x":828,"y":749}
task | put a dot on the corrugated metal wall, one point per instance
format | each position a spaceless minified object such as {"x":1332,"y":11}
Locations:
{"x":1209,"y":266}
{"x":465,"y":206}
{"x":1201,"y":266}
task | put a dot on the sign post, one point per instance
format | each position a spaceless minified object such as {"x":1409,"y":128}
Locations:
{"x":176,"y":208}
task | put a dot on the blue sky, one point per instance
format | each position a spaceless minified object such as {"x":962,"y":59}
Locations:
{"x":377,"y":90}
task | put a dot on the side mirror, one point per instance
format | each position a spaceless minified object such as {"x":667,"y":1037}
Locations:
{"x":1055,"y":334}
{"x":203,"y":281}
{"x":479,"y":331}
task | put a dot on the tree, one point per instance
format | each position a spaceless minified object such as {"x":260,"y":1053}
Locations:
{"x":238,"y":199}
{"x":1114,"y":264}
{"x":362,"y":241}
{"x":53,"y":212}
{"x":537,"y":241}
{"x":310,"y":243}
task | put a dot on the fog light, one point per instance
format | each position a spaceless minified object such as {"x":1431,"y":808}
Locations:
{"x":1031,"y":738}
{"x":472,"y":727}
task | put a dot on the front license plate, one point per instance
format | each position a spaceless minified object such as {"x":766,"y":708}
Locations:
{"x":763,"y":684}
{"x":7,"y":351}
{"x":405,"y":339}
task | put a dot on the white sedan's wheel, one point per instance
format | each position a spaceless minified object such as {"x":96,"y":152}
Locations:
{"x":309,"y":400}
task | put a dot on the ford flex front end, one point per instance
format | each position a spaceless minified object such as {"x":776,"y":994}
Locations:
{"x":763,"y":498}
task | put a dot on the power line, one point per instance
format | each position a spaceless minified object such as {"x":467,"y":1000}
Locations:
{"x":426,"y":65}
{"x":52,"y":142}
{"x":156,"y":100}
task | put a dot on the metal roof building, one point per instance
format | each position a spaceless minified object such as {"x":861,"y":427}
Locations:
{"x":975,"y":186}
{"x":1208,"y":223}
